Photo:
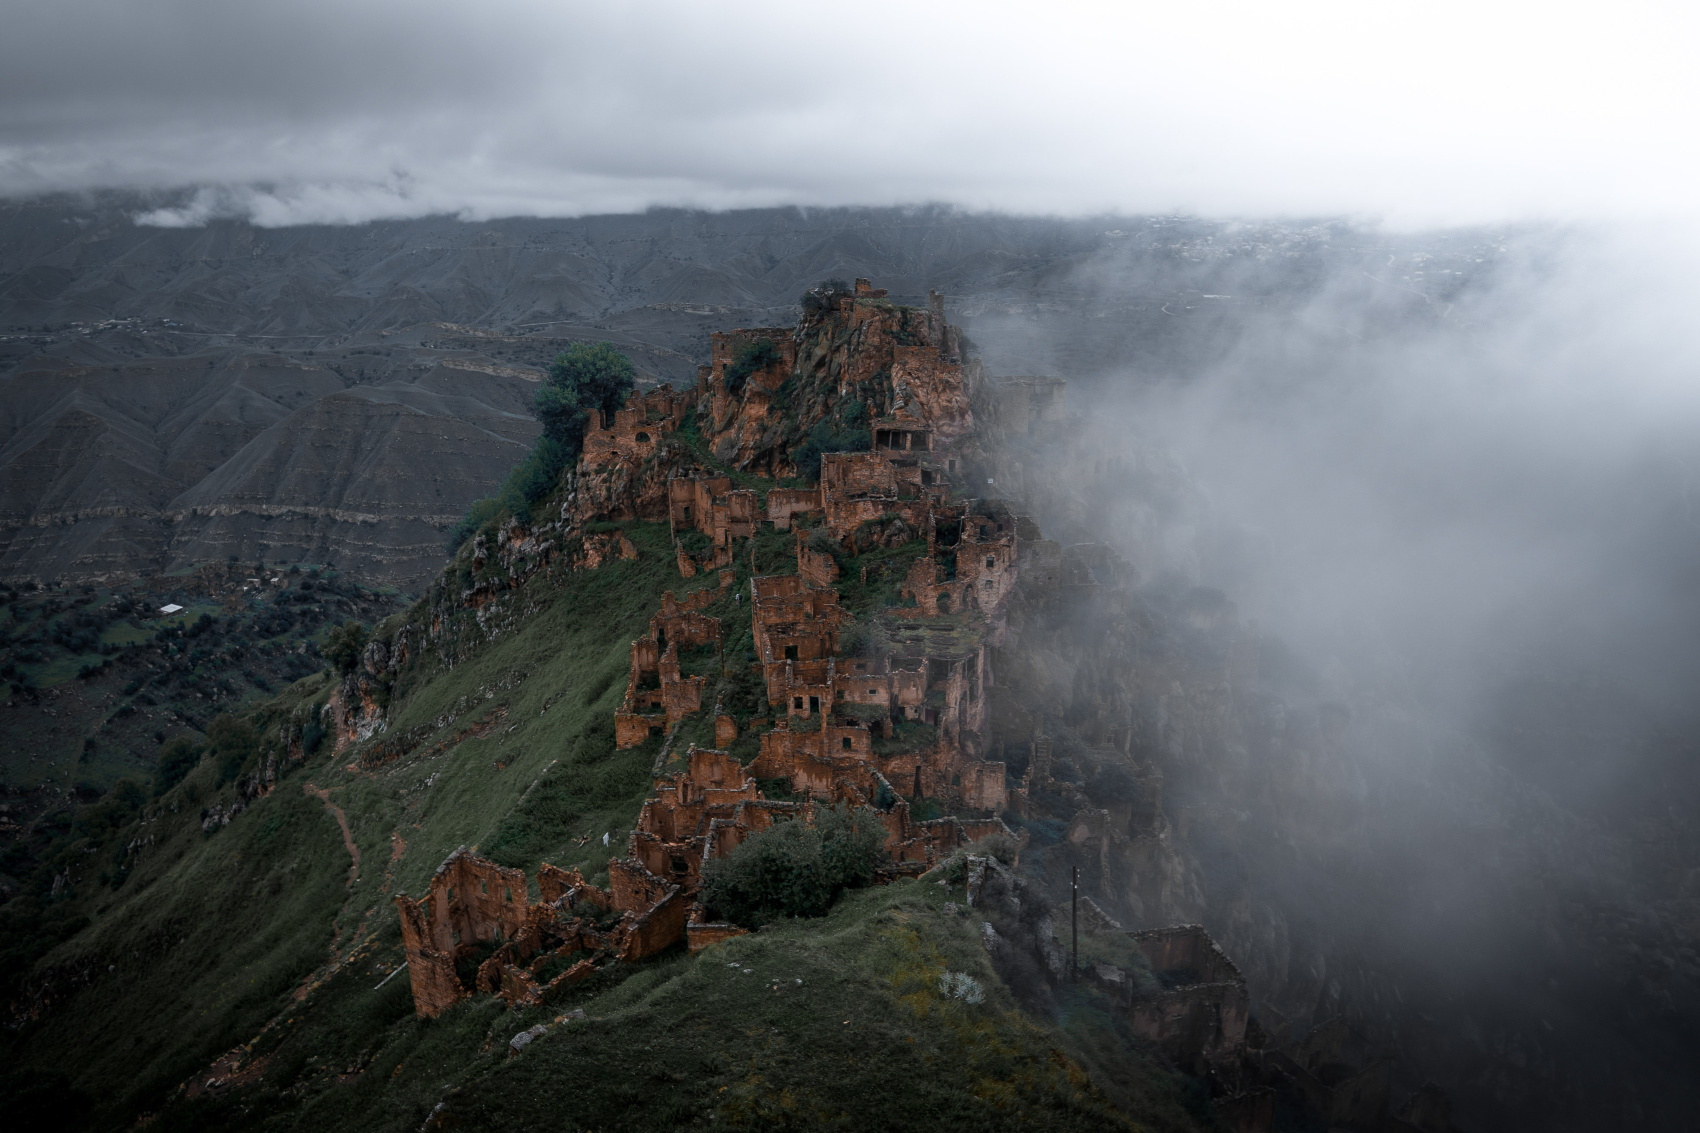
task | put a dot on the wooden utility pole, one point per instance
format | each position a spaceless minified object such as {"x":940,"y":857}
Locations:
{"x":1074,"y":927}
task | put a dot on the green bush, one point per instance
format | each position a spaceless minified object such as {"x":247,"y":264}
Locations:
{"x":480,"y":513}
{"x":176,"y":759}
{"x":232,"y":741}
{"x":101,"y":820}
{"x":752,"y":359}
{"x":795,"y":869}
{"x":313,"y":732}
{"x":344,"y":644}
{"x":845,"y":431}
{"x":535,"y":476}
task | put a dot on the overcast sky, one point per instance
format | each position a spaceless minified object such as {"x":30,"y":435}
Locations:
{"x":1411,"y":112}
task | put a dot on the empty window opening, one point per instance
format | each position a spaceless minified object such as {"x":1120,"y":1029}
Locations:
{"x":814,"y":704}
{"x":643,"y":438}
{"x":917,"y":791}
{"x":944,"y":603}
{"x":797,"y":703}
{"x":508,"y":895}
{"x":990,"y":562}
{"x":790,"y":652}
{"x":482,"y":886}
{"x":846,"y":743}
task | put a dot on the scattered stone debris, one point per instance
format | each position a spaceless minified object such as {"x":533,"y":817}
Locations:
{"x":522,"y":1040}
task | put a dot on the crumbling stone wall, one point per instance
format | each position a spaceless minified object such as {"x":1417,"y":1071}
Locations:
{"x":1206,"y":1014}
{"x":634,"y":433}
{"x":1023,"y":406}
{"x":784,"y":503}
{"x":1187,"y":948}
{"x":817,"y":569}
{"x":469,"y":901}
{"x":714,"y":508}
{"x":647,"y":708}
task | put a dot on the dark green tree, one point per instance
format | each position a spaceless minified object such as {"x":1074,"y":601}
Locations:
{"x":344,"y":644}
{"x":585,"y":381}
{"x":587,"y":378}
{"x":232,"y":741}
{"x":176,"y":759}
{"x":752,"y":359}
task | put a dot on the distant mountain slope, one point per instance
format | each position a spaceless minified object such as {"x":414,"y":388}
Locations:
{"x":154,"y":379}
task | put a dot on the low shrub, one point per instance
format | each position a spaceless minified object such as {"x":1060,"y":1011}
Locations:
{"x":752,"y":359}
{"x":176,"y":760}
{"x":795,"y":869}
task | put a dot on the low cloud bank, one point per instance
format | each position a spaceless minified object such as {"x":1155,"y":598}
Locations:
{"x":320,"y":112}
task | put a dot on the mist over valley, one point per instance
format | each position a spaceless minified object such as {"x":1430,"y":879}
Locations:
{"x":1097,"y":569}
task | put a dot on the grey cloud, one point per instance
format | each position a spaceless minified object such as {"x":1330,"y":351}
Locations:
{"x":346,"y":111}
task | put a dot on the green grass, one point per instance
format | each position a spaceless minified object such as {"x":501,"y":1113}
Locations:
{"x":208,"y":936}
{"x":123,"y":633}
{"x":835,"y":1022}
{"x":501,"y":739}
{"x":58,"y":669}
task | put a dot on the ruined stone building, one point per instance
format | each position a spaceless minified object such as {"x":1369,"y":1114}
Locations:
{"x":868,"y":727}
{"x":658,"y":695}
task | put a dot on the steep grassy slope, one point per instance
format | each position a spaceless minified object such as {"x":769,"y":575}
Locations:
{"x":209,"y":935}
{"x":238,"y":977}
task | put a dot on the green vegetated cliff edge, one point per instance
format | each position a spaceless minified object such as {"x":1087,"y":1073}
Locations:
{"x":226,"y":953}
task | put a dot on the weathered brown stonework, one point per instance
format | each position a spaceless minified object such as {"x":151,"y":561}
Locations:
{"x":657,"y":694}
{"x":838,"y":716}
{"x":634,"y":433}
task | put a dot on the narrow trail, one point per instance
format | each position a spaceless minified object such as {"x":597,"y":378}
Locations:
{"x":236,"y":1068}
{"x":323,"y":794}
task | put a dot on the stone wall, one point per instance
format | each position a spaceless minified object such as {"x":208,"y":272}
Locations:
{"x":469,"y":901}
{"x":634,"y":433}
{"x":1206,"y":1015}
{"x":783,"y":503}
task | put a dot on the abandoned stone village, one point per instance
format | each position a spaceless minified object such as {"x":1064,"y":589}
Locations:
{"x":882,"y":728}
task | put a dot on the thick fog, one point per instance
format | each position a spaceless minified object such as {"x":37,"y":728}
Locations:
{"x":1456,"y":481}
{"x":1501,"y":466}
{"x":1450,"y":461}
{"x":347,"y":111}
